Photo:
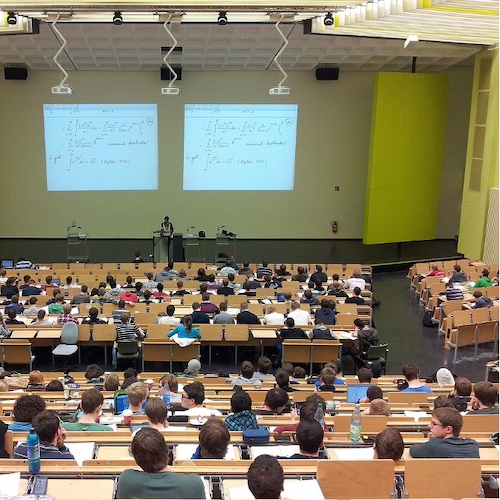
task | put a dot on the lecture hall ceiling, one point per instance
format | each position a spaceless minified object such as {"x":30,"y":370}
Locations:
{"x":364,"y":35}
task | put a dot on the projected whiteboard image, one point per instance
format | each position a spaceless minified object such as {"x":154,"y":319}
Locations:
{"x":101,"y":147}
{"x":240,"y":147}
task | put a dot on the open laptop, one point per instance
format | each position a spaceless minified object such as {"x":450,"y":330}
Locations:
{"x":7,"y":263}
{"x":355,"y":392}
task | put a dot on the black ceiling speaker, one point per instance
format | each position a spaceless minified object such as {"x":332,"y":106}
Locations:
{"x":166,"y":74}
{"x":15,"y":73}
{"x":327,"y":73}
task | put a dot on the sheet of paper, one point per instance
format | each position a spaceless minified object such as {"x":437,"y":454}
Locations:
{"x":416,"y":415}
{"x":9,"y":484}
{"x":81,"y":451}
{"x":286,"y":450}
{"x":364,"y":453}
{"x":346,"y":335}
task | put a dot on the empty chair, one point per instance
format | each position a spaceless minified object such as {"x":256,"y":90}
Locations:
{"x":486,"y":332}
{"x":69,"y":342}
{"x":377,"y":353}
{"x":464,"y":335}
{"x":127,"y":351}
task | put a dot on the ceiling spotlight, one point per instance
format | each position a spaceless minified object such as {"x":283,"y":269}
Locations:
{"x":222,"y":18}
{"x":117,"y":18}
{"x":328,"y":20}
{"x":11,"y":18}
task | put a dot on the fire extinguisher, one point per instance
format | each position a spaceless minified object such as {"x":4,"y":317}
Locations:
{"x":335,"y":226}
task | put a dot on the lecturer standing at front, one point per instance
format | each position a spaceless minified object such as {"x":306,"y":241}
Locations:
{"x":167,"y":231}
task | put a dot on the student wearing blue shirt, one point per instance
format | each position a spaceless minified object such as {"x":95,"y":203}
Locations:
{"x":186,"y":329}
{"x":411,"y":374}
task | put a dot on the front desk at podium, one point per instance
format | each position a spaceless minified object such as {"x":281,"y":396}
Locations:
{"x":194,"y":248}
{"x":160,"y":247}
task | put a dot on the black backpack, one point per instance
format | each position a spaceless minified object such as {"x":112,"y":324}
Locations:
{"x":427,"y":319}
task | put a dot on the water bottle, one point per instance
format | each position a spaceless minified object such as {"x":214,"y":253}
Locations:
{"x":355,"y":429}
{"x":33,"y":445}
{"x":319,"y":415}
{"x":166,"y":394}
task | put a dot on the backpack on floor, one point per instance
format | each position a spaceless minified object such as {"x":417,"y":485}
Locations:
{"x":427,"y":319}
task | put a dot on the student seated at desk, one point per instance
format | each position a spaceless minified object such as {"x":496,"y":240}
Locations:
{"x":307,"y":412}
{"x":52,"y":435}
{"x":186,"y":329}
{"x":40,"y":319}
{"x":156,"y":411}
{"x":283,"y":380}
{"x":214,"y":439}
{"x":173,"y":386}
{"x":242,"y":418}
{"x":327,"y":379}
{"x":460,"y":396}
{"x":484,"y":399}
{"x":246,"y":376}
{"x":92,"y":401}
{"x":193,"y":396}
{"x":265,"y":477}
{"x":445,"y":427}
{"x":93,"y":318}
{"x":25,"y":409}
{"x":137,"y":393}
{"x":94,"y":374}
{"x":411,"y":374}
{"x":151,"y":453}
{"x":264,"y":365}
{"x":309,"y":435}
{"x":388,"y":444}
{"x":275,"y":402}
{"x":35,"y":382}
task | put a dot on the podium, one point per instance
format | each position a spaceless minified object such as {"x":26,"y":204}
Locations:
{"x":160,"y":247}
{"x":77,"y":244}
{"x":195,"y":248}
{"x":224,"y":244}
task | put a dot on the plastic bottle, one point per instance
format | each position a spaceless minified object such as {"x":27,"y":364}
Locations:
{"x":319,"y":415}
{"x":355,"y":429}
{"x":33,"y":445}
{"x":166,"y":393}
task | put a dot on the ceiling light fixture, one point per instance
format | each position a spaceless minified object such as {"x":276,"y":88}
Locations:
{"x":11,"y":18}
{"x":222,"y":18}
{"x":117,"y":18}
{"x":328,"y":20}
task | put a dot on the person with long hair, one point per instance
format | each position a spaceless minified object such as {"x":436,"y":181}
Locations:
{"x":185,"y":330}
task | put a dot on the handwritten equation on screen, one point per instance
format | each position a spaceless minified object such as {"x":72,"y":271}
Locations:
{"x":101,"y":147}
{"x":252,"y":145}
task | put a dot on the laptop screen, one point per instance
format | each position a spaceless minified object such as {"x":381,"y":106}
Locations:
{"x":122,"y":403}
{"x":356,"y":392}
{"x":8,"y":263}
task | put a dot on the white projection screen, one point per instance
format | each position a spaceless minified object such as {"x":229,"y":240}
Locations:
{"x":243,"y":147}
{"x":101,"y":147}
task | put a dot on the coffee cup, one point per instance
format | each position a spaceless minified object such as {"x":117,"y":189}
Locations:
{"x":127,"y":416}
